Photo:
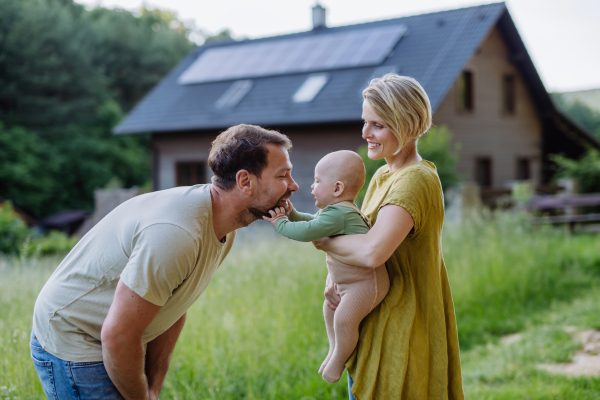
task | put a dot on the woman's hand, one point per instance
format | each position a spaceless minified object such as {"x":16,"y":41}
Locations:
{"x":332,"y":296}
{"x":376,"y":246}
{"x":276,"y":214}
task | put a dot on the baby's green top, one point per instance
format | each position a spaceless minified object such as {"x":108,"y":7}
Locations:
{"x":332,"y":220}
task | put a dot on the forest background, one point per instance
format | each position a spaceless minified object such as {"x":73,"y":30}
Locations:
{"x":69,"y":74}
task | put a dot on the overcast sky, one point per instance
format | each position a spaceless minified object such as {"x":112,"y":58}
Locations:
{"x":562,"y":36}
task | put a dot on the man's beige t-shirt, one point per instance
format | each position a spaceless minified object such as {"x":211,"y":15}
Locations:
{"x":162,"y":245}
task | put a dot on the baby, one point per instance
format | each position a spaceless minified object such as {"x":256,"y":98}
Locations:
{"x":338,"y":178}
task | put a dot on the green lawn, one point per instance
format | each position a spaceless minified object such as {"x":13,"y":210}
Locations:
{"x":257,"y":332}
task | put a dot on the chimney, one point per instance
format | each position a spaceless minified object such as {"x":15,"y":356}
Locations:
{"x":318,"y":15}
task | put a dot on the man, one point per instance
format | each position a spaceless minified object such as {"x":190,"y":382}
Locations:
{"x":106,"y":322}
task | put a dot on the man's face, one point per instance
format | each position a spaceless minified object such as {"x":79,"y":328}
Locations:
{"x":275,"y":185}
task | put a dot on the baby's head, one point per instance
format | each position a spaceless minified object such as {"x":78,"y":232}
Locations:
{"x":339,"y":176}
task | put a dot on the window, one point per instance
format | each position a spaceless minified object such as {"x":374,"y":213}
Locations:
{"x":310,"y":88}
{"x":508,"y":94}
{"x":483,"y":171}
{"x":523,"y":169}
{"x":465,"y":91}
{"x":236,"y":92}
{"x":190,"y":173}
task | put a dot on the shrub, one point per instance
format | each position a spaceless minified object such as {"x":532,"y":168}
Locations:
{"x":436,"y":147}
{"x":13,"y":231}
{"x":586,"y":170}
{"x":54,"y":243}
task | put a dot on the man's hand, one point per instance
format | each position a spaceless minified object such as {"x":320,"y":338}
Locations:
{"x":276,"y":214}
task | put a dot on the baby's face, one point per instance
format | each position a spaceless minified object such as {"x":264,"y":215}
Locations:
{"x":324,"y":186}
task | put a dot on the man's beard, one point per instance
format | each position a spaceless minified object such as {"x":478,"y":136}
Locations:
{"x":259,"y":212}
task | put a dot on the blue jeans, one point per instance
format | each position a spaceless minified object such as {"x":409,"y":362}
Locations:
{"x":67,"y":380}
{"x":350,"y":383}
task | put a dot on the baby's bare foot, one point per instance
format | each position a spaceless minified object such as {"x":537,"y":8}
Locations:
{"x":331,"y":379}
{"x":322,"y":367}
{"x":330,"y":375}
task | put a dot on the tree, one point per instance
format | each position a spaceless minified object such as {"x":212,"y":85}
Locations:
{"x":27,"y":173}
{"x":580,"y":113}
{"x":135,"y":52}
{"x":66,"y":75}
{"x":47,"y":78}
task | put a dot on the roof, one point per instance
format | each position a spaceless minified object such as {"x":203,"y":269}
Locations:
{"x":433,"y":50}
{"x":66,"y":217}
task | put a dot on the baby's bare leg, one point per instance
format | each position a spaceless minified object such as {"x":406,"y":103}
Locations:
{"x":358,"y":299}
{"x":328,"y":314}
{"x":356,"y":303}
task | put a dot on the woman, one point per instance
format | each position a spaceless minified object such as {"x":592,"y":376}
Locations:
{"x":408,"y":346}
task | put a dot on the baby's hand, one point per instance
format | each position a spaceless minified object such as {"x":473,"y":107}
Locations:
{"x":276,"y":214}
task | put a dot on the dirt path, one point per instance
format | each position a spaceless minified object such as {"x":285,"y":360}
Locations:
{"x":586,"y":362}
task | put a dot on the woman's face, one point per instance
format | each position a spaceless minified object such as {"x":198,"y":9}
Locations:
{"x":380,"y":139}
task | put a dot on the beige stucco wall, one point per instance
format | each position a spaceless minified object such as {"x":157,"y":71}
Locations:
{"x":487,"y":132}
{"x":169,"y":149}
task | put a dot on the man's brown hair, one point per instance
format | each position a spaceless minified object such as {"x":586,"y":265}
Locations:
{"x":242,"y":147}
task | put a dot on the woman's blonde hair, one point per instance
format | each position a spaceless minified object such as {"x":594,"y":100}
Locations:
{"x":402,"y":105}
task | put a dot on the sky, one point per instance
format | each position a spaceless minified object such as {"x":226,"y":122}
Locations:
{"x":562,"y":36}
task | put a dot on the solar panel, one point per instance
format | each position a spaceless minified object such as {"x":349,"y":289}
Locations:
{"x":326,"y":51}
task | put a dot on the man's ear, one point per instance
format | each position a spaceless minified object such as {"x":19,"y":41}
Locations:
{"x":245,"y":182}
{"x":338,"y":189}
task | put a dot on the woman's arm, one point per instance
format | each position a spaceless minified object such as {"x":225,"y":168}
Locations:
{"x":374,"y":248}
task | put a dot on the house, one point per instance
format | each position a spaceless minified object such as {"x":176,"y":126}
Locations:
{"x":472,"y":62}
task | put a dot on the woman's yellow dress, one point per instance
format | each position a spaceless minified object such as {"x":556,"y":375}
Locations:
{"x":408,"y":346}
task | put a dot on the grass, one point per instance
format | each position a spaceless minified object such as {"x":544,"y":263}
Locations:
{"x":503,"y":272}
{"x":508,"y":371}
{"x":257,"y":332}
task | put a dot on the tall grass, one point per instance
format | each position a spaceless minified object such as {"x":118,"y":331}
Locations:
{"x":258,"y":333}
{"x":20,"y":282}
{"x":502,"y":272}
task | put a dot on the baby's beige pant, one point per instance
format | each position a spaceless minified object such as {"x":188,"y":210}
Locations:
{"x":361,"y":290}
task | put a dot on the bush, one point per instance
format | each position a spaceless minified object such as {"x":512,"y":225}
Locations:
{"x":13,"y":231}
{"x":55,"y":243}
{"x":586,"y":170}
{"x":434,"y":146}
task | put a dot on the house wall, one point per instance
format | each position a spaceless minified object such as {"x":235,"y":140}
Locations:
{"x":171,"y":148}
{"x":487,"y":131}
{"x":310,"y":145}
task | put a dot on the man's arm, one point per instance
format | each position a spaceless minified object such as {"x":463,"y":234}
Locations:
{"x":158,"y":356}
{"x":122,"y":348}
